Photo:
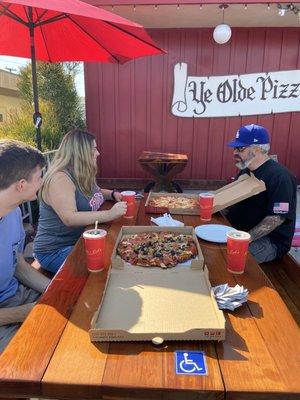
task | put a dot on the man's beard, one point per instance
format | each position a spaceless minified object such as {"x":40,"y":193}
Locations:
{"x":242,"y":164}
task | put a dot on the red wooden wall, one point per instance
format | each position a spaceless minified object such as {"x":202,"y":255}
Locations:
{"x":128,"y":106}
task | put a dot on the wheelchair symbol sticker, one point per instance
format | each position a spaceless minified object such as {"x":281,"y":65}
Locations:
{"x":190,"y":363}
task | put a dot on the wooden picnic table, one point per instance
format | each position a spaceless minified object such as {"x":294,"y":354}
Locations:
{"x":164,"y":167}
{"x":52,"y":356}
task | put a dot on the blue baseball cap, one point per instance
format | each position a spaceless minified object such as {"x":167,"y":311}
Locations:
{"x":249,"y":135}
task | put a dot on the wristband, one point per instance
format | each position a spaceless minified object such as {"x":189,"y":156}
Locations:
{"x":113,"y":194}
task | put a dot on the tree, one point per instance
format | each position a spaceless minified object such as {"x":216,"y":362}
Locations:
{"x":56,"y":86}
{"x":72,"y":66}
{"x":19,"y":125}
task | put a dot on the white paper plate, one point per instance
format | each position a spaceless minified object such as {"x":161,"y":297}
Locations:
{"x":213,"y":232}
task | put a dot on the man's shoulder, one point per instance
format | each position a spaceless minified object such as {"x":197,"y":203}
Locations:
{"x":275,"y":170}
{"x":12,"y":225}
{"x":14,"y":214}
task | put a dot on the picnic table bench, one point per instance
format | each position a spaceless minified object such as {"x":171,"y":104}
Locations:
{"x":285,"y":276}
{"x":51,"y":356}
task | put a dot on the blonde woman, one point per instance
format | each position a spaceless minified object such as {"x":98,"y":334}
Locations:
{"x":70,"y":199}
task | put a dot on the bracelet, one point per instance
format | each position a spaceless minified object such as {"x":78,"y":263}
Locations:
{"x":113,"y":194}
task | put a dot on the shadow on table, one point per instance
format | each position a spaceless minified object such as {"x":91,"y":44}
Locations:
{"x":255,"y":308}
{"x":233,"y":348}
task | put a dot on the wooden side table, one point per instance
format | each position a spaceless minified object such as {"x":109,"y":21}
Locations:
{"x":164,"y":167}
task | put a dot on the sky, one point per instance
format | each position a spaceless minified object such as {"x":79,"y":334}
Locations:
{"x":14,"y":64}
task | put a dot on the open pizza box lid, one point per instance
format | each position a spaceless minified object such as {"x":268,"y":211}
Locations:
{"x":245,"y":186}
{"x":154,"y":304}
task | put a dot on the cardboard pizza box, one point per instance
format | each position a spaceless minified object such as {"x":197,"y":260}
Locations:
{"x":157,"y":305}
{"x":150,"y":303}
{"x":117,"y":262}
{"x":180,"y":211}
{"x":245,"y":186}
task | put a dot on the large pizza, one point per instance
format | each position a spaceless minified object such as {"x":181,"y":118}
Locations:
{"x":173,"y":202}
{"x":157,"y":249}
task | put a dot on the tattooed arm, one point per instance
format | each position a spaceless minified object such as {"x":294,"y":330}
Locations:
{"x":266,"y":226}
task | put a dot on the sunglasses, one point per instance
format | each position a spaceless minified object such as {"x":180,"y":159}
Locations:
{"x":240,"y":149}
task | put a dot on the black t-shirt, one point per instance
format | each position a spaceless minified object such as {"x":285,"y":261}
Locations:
{"x":279,"y":198}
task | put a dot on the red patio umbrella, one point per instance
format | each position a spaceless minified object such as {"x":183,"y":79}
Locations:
{"x":68,"y":30}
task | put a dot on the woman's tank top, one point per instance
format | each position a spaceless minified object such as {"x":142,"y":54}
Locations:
{"x":52,"y":233}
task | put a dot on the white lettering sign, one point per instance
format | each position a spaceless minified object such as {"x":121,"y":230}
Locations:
{"x":216,"y":96}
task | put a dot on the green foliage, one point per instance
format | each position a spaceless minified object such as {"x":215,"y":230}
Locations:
{"x":56,"y":86}
{"x":19,"y":126}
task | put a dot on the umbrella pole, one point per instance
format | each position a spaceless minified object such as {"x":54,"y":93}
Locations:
{"x":37,"y":117}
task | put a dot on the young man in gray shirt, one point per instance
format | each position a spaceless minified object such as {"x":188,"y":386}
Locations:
{"x":20,"y":284}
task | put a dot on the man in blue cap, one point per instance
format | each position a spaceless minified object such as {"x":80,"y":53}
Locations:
{"x":270,"y":216}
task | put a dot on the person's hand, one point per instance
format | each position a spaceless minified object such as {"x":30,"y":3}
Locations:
{"x":118,"y":210}
{"x":118,"y":196}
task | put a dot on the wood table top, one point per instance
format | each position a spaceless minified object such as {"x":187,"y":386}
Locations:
{"x":52,"y":355}
{"x":157,"y":157}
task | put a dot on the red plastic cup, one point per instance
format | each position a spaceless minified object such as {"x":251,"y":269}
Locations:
{"x":237,"y":248}
{"x":206,"y":203}
{"x":94,"y":241}
{"x":129,"y":197}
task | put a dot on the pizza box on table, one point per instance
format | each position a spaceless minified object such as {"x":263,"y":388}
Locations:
{"x":245,"y":186}
{"x":182,"y":211}
{"x":150,"y":303}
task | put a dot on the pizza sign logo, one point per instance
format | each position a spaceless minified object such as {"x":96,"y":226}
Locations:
{"x":94,"y":252}
{"x":205,"y":206}
{"x":236,"y":252}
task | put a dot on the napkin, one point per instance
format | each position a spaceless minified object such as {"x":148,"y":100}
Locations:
{"x":166,"y":220}
{"x":229,"y":298}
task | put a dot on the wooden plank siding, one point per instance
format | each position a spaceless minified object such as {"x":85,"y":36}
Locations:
{"x":128,"y":106}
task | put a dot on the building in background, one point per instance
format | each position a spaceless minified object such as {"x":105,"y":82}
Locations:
{"x":129,"y":107}
{"x":10,"y":97}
